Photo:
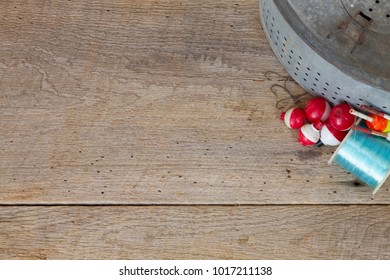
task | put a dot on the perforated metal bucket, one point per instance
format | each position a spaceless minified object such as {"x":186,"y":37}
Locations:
{"x":339,"y":49}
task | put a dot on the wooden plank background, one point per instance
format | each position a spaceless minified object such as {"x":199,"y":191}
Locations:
{"x":183,"y":232}
{"x":143,"y":110}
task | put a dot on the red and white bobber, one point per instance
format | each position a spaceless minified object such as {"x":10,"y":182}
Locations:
{"x":341,"y":118}
{"x":309,"y":134}
{"x":293,"y":118}
{"x":331,"y":136}
{"x":317,"y":109}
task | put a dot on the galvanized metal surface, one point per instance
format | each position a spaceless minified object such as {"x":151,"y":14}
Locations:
{"x":376,"y":10}
{"x":338,"y":49}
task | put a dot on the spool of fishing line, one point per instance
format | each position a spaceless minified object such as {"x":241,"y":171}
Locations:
{"x":365,"y":156}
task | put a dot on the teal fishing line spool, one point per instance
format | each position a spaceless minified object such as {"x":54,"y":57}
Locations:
{"x":365,"y":156}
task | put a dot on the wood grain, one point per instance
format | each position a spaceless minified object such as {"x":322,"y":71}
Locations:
{"x":143,"y":102}
{"x":262,"y":232}
{"x":131,"y":129}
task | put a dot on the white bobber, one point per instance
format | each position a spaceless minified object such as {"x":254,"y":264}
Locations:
{"x":309,"y":134}
{"x":331,"y":136}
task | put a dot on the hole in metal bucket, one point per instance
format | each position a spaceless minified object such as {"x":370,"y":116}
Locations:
{"x":366,"y":17}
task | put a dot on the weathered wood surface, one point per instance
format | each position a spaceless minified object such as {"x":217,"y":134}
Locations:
{"x":154,"y":232}
{"x":150,"y":102}
{"x":130,"y":104}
